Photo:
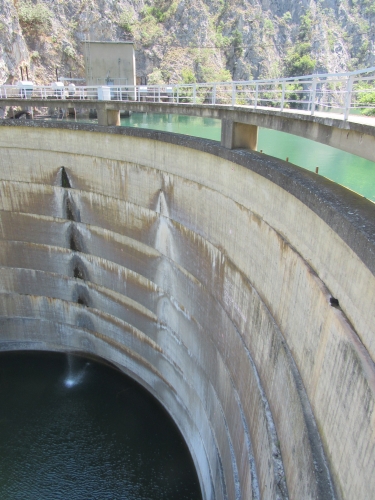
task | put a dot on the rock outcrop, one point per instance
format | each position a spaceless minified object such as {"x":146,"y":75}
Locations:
{"x":13,"y":48}
{"x":199,"y":40}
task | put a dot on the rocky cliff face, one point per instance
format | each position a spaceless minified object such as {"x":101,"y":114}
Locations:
{"x":13,"y":49}
{"x":195,"y":40}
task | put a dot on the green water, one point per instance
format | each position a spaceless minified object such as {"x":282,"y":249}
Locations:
{"x":208,"y":128}
{"x":346,"y":169}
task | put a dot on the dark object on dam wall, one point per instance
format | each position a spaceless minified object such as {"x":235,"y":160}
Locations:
{"x":206,"y":275}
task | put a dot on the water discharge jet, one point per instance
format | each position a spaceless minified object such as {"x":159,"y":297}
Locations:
{"x":101,"y":435}
{"x":75,"y":371}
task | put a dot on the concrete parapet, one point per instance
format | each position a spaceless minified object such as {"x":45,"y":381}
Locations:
{"x":206,"y":274}
{"x":356,"y":135}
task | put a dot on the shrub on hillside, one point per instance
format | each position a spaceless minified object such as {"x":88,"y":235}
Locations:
{"x":34,"y":18}
{"x":126,"y":22}
{"x":365,"y":93}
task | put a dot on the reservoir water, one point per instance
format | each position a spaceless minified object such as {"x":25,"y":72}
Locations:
{"x":346,"y":169}
{"x":73,"y":428}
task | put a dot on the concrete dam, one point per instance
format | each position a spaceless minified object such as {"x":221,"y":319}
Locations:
{"x":237,"y":288}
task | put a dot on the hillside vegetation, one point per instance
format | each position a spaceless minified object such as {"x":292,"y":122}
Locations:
{"x":195,"y":40}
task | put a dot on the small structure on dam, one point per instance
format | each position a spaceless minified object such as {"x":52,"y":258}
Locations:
{"x":237,"y":288}
{"x":109,"y":63}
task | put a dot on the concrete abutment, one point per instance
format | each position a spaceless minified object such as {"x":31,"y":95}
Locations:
{"x":108,"y":117}
{"x":206,"y":274}
{"x":238,"y":135}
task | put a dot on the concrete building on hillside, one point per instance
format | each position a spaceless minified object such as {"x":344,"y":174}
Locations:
{"x":109,"y":63}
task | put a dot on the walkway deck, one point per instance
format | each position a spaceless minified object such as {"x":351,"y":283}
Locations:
{"x":355,"y":135}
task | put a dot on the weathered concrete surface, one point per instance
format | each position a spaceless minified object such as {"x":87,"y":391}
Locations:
{"x":206,"y":274}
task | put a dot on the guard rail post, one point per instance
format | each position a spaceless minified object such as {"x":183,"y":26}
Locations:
{"x":313,"y":95}
{"x":282,"y":95}
{"x":348,"y":99}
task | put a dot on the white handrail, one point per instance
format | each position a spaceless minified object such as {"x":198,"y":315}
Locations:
{"x":331,"y":91}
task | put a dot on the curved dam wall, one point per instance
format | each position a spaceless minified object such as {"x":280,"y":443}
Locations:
{"x":207,"y":275}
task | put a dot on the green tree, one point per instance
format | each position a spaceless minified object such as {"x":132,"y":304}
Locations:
{"x":269,"y":28}
{"x":156,"y":12}
{"x":188,"y":75}
{"x":237,"y":41}
{"x":299,"y":61}
{"x":365,"y":93}
{"x":305,"y":27}
{"x":160,"y":10}
{"x":156,"y":77}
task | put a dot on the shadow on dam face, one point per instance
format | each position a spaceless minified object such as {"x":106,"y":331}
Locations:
{"x":207,"y":275}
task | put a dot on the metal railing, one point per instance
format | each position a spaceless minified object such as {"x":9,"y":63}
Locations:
{"x":339,"y":92}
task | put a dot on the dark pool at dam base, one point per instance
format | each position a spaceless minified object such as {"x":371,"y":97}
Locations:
{"x":73,"y":428}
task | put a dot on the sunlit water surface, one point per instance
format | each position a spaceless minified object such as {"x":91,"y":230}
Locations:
{"x":75,"y":429}
{"x":346,"y":169}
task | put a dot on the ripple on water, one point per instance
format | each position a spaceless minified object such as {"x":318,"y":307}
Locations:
{"x":81,"y":430}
